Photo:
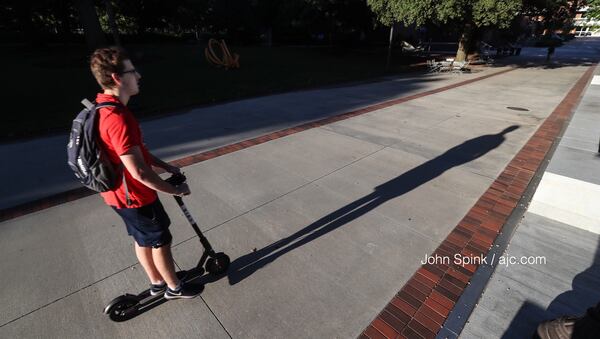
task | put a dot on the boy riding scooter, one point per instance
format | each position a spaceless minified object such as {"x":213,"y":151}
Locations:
{"x":135,"y":198}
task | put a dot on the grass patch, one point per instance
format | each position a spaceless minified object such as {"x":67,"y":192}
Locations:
{"x":44,"y":87}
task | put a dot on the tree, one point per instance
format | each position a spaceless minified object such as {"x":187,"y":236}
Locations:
{"x":36,"y":21}
{"x":556,"y":14}
{"x":468,"y":14}
{"x":594,"y":10}
{"x":192,"y":15}
{"x":267,"y":13}
{"x":94,"y":36}
{"x":274,"y":17}
{"x":337,"y":18}
{"x":112,"y":23}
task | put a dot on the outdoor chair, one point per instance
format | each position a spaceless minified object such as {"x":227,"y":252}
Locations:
{"x":486,"y":53}
{"x":488,"y":59}
{"x":433,"y":66}
{"x":446,"y":66}
{"x":483,"y":59}
{"x":487,"y":47}
{"x":459,"y":67}
{"x":406,"y":47}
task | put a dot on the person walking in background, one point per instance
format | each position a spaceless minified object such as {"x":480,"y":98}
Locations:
{"x":550,"y":53}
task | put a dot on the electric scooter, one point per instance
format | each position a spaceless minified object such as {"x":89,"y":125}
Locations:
{"x":128,"y":305}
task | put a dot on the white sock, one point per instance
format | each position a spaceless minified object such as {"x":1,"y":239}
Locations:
{"x":177,"y":288}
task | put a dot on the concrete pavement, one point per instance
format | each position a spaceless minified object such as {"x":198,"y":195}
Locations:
{"x":340,"y":215}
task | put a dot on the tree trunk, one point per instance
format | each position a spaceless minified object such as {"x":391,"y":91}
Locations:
{"x":573,"y":8}
{"x":464,"y":43}
{"x":94,"y":36}
{"x":112,"y":22}
{"x":389,"y":56}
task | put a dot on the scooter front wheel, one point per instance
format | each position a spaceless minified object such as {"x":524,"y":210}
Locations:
{"x":218,"y":264}
{"x":122,"y":308}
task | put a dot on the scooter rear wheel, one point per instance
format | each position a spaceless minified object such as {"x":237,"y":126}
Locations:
{"x":123,"y":309}
{"x":218,"y":264}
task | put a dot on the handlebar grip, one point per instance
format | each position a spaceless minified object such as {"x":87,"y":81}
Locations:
{"x":176,"y":179}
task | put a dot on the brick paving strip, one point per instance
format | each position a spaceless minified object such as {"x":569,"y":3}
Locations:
{"x":422,"y":306}
{"x":71,"y":195}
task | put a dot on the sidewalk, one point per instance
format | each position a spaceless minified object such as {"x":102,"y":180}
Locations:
{"x":324,"y":225}
{"x":561,"y":225}
{"x":202,"y":129}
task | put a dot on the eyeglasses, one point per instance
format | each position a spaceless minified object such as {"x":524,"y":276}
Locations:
{"x":130,"y":71}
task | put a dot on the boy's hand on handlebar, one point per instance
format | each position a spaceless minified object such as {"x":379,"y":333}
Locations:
{"x":172,"y":169}
{"x":182,"y":190}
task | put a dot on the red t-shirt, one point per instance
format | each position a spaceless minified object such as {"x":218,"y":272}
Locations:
{"x":120,"y":131}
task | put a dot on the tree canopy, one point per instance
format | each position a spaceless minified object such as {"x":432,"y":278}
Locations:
{"x":239,"y":21}
{"x":467,"y":13}
{"x":594,"y":10}
{"x":419,"y":12}
{"x":330,"y":22}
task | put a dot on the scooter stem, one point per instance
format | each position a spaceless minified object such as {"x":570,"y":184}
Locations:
{"x":187,"y":214}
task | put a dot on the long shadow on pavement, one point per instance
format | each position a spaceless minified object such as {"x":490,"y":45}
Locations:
{"x":469,"y":150}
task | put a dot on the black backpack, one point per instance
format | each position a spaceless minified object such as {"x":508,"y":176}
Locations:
{"x":85,"y":156}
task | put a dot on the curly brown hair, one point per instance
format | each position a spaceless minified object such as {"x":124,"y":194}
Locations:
{"x":106,"y":61}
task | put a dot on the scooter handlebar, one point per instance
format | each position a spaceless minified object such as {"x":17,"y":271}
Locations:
{"x":176,"y":179}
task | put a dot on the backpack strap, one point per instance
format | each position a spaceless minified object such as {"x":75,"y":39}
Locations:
{"x":127,"y":199}
{"x":108,"y":104}
{"x":90,"y":105}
